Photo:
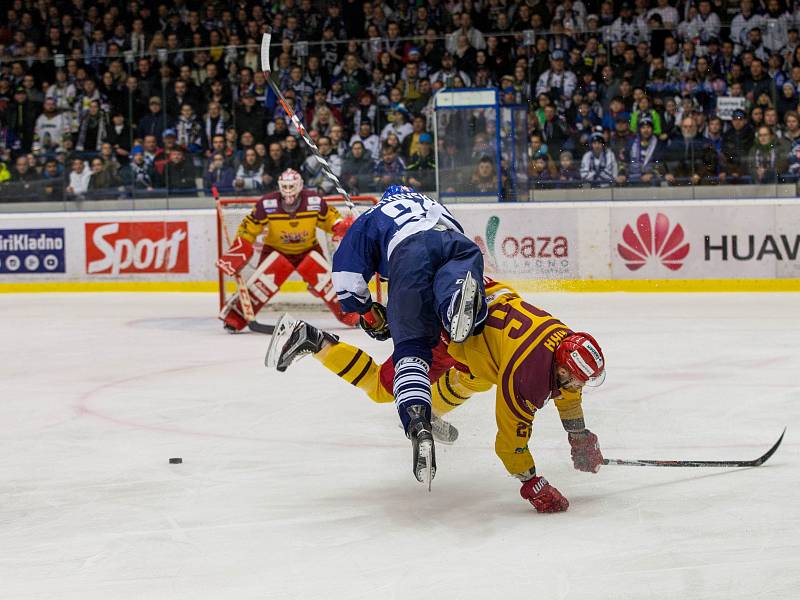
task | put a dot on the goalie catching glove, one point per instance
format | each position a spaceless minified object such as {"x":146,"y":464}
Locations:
{"x":586,"y":455}
{"x":237,"y":256}
{"x":375,"y":323}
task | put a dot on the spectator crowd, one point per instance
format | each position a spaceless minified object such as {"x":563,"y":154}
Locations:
{"x":101,"y":98}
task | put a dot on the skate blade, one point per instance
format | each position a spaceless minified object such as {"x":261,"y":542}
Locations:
{"x":425,"y":469}
{"x":463,"y":318}
{"x":283,"y":330}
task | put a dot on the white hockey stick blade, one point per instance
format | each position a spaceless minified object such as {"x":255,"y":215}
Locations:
{"x":283,"y":329}
{"x":265,"y":41}
{"x":463,"y":316}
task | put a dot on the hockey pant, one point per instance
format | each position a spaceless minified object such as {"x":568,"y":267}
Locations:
{"x":273,"y":270}
{"x":357,"y":368}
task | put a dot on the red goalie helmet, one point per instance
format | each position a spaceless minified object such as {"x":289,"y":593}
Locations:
{"x":290,"y":184}
{"x":581,"y":355}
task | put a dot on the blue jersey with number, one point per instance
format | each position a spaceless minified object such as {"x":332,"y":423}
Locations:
{"x":368,"y":244}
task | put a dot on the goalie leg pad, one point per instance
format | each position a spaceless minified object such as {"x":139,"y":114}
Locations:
{"x":263,"y":284}
{"x":316,"y":272}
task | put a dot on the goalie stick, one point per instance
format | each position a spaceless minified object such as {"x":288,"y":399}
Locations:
{"x":244,"y":295}
{"x":326,"y":168}
{"x":757,"y":462}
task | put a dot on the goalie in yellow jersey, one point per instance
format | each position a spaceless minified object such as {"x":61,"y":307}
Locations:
{"x":527,"y":353}
{"x":291,"y":217}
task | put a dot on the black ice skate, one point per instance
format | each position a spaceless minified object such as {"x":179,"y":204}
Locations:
{"x":463,"y":308}
{"x":292,"y":340}
{"x":424,"y":451}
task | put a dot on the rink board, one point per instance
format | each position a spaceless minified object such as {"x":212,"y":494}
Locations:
{"x":741,"y":245}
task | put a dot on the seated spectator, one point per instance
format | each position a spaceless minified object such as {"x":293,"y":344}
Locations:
{"x":139,"y":174}
{"x":540,"y":171}
{"x":179,"y":172}
{"x":118,"y":136}
{"x":358,"y":169}
{"x":339,"y":146}
{"x":155,"y":122}
{"x":411,"y":141}
{"x":643,"y":159}
{"x":189,"y":130}
{"x":690,"y":158}
{"x":102,"y":178}
{"x":53,"y":176}
{"x":249,"y":175}
{"x":312,"y":169}
{"x":92,"y":129}
{"x":397,"y":124}
{"x":598,"y":166}
{"x":554,"y":131}
{"x":736,"y":144}
{"x":219,"y":174}
{"x":768,"y":157}
{"x":274,"y":164}
{"x":568,"y":173}
{"x":558,"y":83}
{"x":643,"y":109}
{"x":214,"y":124}
{"x":51,"y":127}
{"x":421,"y":169}
{"x":365,"y":135}
{"x":389,"y":170}
{"x":251,"y":117}
{"x":294,"y":152}
{"x":79,"y":178}
{"x":484,"y":177}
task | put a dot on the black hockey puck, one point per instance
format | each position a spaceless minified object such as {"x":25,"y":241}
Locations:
{"x":175,"y":461}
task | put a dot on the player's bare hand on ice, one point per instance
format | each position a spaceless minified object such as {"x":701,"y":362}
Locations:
{"x":586,"y":455}
{"x":375,"y":323}
{"x":543,"y":496}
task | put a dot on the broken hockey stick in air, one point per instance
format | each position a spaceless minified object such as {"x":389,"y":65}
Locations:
{"x":244,"y":295}
{"x":757,"y":462}
{"x":326,"y":168}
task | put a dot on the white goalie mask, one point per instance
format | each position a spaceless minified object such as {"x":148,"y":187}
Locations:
{"x":290,"y":184}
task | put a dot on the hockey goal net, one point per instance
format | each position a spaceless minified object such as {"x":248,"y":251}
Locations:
{"x":231,"y":211}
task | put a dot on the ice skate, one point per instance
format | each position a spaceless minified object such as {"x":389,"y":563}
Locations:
{"x":443,"y":431}
{"x":463,"y":308}
{"x":292,"y":340}
{"x":423,"y":448}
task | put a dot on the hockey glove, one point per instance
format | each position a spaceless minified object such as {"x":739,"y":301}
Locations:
{"x":236,"y":257}
{"x":340,"y":228}
{"x":543,"y":496}
{"x":586,"y":455}
{"x":374,"y":322}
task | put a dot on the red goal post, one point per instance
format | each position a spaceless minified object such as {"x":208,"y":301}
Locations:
{"x":231,"y":211}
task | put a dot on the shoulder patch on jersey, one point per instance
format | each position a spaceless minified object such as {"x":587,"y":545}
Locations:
{"x":314,"y":202}
{"x":269,"y":204}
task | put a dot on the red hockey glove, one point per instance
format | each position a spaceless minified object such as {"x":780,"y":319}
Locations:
{"x":236,"y":257}
{"x":374,"y":322}
{"x":586,"y":455}
{"x":543,"y":496}
{"x":341,"y":227}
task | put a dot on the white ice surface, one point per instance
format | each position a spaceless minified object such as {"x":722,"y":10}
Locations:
{"x":296,"y":486}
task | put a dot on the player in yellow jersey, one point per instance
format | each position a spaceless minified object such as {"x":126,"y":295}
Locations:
{"x":291,"y":217}
{"x":527,"y":353}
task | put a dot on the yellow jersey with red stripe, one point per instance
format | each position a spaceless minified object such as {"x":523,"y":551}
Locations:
{"x":516,"y":352}
{"x":289,"y":233}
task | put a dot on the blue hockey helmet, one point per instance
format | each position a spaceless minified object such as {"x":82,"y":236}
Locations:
{"x":396,"y":189}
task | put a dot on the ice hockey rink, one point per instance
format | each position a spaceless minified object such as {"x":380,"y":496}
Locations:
{"x":296,"y":486}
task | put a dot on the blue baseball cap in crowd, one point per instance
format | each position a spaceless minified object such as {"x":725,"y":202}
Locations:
{"x":557,"y":55}
{"x":425,"y":138}
{"x":738,"y":114}
{"x":137,"y":150}
{"x":169,"y":133}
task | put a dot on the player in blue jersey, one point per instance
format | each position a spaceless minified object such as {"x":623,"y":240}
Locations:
{"x":435,"y":276}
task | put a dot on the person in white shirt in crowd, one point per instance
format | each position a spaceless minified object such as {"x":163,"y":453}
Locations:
{"x":628,"y":27}
{"x":558,"y":83}
{"x":474,"y":37}
{"x":370,"y":141}
{"x":669,"y":14}
{"x":78,"y":178}
{"x":775,"y":26}
{"x":250,"y":174}
{"x":742,"y":23}
{"x":706,"y":23}
{"x":51,"y":126}
{"x":398,"y":124}
{"x":598,"y":166}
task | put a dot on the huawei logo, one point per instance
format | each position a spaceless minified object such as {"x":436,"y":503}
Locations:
{"x":653,"y":240}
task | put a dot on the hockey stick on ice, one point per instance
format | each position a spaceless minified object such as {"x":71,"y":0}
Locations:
{"x":326,"y":168}
{"x":244,"y":294}
{"x":757,"y":462}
